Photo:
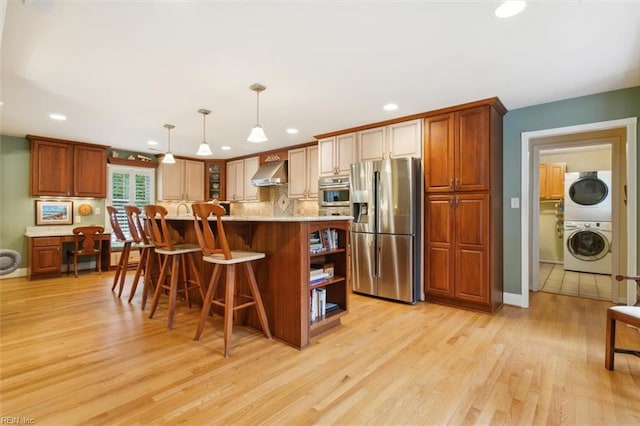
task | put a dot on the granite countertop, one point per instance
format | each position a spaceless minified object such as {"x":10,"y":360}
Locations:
{"x":236,"y":218}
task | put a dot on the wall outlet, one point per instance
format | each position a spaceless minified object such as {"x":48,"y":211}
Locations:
{"x":515,"y":203}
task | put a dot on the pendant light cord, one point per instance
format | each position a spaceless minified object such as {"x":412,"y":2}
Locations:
{"x":258,"y":109}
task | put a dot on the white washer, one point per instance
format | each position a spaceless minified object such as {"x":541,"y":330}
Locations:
{"x":587,"y":196}
{"x":587,"y":247}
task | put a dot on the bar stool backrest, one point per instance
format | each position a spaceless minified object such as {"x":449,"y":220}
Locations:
{"x":159,"y":233}
{"x":115,"y":226}
{"x":137,"y":229}
{"x":206,"y":238}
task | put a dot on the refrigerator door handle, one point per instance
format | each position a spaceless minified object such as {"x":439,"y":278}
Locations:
{"x":376,"y":256}
{"x":376,"y":201}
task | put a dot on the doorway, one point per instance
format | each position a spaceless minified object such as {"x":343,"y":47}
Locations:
{"x":575,"y":242}
{"x":624,"y":131}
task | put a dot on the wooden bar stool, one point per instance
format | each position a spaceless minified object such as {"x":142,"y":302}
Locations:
{"x":86,"y":243}
{"x":123,"y":263}
{"x":223,"y":257}
{"x":626,"y":314}
{"x":172,"y":255}
{"x":142,"y":239}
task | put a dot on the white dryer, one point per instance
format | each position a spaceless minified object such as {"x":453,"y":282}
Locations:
{"x":587,"y":247}
{"x":587,"y":196}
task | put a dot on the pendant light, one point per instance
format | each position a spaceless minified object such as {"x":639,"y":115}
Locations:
{"x":257,"y":133}
{"x":204,"y":149}
{"x":168,"y":157}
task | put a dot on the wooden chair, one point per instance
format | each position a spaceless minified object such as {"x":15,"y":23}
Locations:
{"x":172,"y":255}
{"x":627,"y":314}
{"x":142,"y":238}
{"x":123,"y":263}
{"x":87,"y":243}
{"x":221,"y":257}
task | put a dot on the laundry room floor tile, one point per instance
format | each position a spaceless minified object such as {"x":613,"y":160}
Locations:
{"x":552,"y":278}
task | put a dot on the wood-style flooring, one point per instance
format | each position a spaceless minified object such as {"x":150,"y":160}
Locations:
{"x":73,"y":353}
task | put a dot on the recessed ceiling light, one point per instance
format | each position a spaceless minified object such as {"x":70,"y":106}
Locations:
{"x":390,"y":107}
{"x":292,"y":131}
{"x":57,"y":117}
{"x":225,"y":148}
{"x":152,"y":143}
{"x":510,"y":8}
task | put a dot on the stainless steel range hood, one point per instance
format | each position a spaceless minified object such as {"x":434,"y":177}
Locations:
{"x":270,"y":174}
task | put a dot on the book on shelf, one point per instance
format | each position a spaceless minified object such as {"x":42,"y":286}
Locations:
{"x":330,"y":307}
{"x":318,"y":303}
{"x":318,"y":278}
{"x":323,"y":240}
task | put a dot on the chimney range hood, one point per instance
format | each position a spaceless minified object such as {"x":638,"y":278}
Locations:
{"x":270,"y":174}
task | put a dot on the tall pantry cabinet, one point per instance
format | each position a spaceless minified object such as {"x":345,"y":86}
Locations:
{"x":463,"y":205}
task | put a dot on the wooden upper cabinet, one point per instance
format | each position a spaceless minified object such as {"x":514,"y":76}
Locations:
{"x":439,"y":153}
{"x":371,"y":144}
{"x":67,"y":169}
{"x":235,"y":180}
{"x":251,"y":165}
{"x":90,"y":172}
{"x":456,"y":150}
{"x":402,"y":139}
{"x":552,"y":180}
{"x":183,"y":180}
{"x":303,"y":172}
{"x":335,"y":154}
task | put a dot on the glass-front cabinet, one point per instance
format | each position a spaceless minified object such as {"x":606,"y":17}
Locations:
{"x":215,"y":181}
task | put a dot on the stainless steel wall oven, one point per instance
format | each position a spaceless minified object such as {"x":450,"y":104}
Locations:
{"x":333,"y":192}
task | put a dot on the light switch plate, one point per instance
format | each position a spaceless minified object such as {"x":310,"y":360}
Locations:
{"x":78,"y":218}
{"x":97,"y":210}
{"x":515,"y":203}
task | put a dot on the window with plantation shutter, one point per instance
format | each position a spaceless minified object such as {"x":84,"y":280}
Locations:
{"x":129,"y":186}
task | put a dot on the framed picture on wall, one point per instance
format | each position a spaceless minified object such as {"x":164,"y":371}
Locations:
{"x":54,"y":212}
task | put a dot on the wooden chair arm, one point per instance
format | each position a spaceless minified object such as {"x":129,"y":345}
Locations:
{"x":627,"y":277}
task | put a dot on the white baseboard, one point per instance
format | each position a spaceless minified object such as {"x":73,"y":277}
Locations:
{"x":20,"y":272}
{"x":512,"y":299}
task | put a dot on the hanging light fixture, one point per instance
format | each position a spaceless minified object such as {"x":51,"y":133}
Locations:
{"x":257,"y":133}
{"x":204,"y":149}
{"x":168,"y":157}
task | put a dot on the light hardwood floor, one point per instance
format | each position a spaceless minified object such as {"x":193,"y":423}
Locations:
{"x":73,"y":353}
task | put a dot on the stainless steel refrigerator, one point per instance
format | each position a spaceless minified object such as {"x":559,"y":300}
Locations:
{"x":385,"y":242}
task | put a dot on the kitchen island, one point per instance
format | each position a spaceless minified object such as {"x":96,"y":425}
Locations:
{"x":284,"y":275}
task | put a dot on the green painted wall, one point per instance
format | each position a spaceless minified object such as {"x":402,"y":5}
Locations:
{"x":607,"y":106}
{"x":17,"y":209}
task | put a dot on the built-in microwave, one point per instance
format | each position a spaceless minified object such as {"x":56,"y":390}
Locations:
{"x":333,"y":191}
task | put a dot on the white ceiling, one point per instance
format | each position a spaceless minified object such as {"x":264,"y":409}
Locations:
{"x":119,"y":70}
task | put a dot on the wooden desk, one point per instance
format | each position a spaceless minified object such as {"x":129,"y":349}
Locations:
{"x":45,"y":254}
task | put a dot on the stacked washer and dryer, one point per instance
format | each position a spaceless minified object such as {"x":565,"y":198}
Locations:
{"x":587,"y":222}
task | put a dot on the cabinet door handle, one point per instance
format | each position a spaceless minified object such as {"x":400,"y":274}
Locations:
{"x":451,"y":184}
{"x":456,"y":183}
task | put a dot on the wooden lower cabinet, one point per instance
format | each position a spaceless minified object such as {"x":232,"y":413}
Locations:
{"x":45,"y":256}
{"x":460,"y":252}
